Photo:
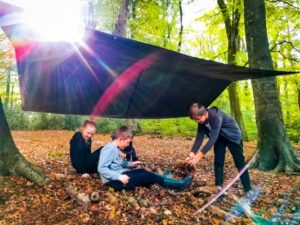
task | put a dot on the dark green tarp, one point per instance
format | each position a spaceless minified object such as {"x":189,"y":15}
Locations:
{"x":117,"y":77}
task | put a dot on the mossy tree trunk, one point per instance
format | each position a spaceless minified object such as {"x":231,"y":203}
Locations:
{"x":274,"y":149}
{"x":11,"y":161}
{"x":232,"y":31}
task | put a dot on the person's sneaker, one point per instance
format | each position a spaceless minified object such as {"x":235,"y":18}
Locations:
{"x":220,"y":188}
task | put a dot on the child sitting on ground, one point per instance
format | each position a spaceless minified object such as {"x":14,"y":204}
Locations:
{"x":129,"y":151}
{"x":82,"y":158}
{"x":120,"y":174}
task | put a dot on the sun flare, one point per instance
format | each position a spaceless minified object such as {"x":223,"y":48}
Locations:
{"x":54,"y":20}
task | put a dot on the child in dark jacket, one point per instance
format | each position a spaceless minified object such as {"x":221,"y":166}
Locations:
{"x":83,"y":160}
{"x":222,"y":131}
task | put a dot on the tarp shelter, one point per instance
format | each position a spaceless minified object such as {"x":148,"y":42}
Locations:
{"x":112,"y":76}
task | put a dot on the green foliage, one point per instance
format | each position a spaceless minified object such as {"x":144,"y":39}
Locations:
{"x":107,"y":126}
{"x":155,"y":22}
{"x":107,"y":12}
{"x":48,"y":121}
{"x":169,"y":127}
{"x":72,"y":122}
{"x":17,"y":118}
{"x":293,"y":128}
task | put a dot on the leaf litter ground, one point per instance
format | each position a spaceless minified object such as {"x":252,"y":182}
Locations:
{"x":21,"y":202}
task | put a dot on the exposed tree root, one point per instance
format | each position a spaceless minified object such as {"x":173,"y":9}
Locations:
{"x":25,"y":169}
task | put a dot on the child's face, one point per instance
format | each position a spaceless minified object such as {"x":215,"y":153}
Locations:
{"x":201,"y":119}
{"x":88,"y":132}
{"x":124,"y":142}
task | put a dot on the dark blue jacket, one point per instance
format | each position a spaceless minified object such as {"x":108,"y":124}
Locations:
{"x":82,"y":158}
{"x":218,"y":124}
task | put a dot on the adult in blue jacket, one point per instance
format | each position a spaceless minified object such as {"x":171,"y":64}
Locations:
{"x":222,"y":131}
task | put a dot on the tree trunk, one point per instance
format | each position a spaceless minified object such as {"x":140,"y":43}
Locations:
{"x":298,"y":98}
{"x":235,"y":108}
{"x":181,"y":24}
{"x":120,"y":25}
{"x":7,"y":92}
{"x":12,"y":93}
{"x":120,"y":30}
{"x":11,"y":161}
{"x":232,"y":31}
{"x":167,"y":31}
{"x":274,"y":149}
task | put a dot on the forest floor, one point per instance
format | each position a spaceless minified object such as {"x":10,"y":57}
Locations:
{"x":275,"y":199}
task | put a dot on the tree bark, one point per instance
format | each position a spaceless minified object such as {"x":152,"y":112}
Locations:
{"x":167,"y":31}
{"x":7,"y":92}
{"x":181,"y":24}
{"x":11,"y":160}
{"x":232,"y":31}
{"x":298,"y":98}
{"x":120,"y":30}
{"x":120,"y":25}
{"x":274,"y":149}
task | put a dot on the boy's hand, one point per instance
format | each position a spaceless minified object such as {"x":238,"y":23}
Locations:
{"x":191,"y":156}
{"x":85,"y":175}
{"x":124,"y":178}
{"x":196,"y":159}
{"x":137,"y":163}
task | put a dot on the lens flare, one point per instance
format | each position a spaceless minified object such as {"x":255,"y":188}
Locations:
{"x":55,"y":20}
{"x":244,"y":205}
{"x":51,"y":20}
{"x":122,"y":81}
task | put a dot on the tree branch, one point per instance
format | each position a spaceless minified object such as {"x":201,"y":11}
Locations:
{"x":216,"y":56}
{"x":288,"y":58}
{"x":285,"y":42}
{"x":226,"y":17}
{"x":284,"y":2}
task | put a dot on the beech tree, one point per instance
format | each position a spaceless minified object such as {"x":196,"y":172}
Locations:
{"x":274,"y":148}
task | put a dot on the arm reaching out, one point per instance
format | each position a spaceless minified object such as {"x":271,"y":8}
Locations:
{"x":196,"y":159}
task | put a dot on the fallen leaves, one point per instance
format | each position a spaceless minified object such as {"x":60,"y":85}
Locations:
{"x":70,"y":199}
{"x":182,"y":169}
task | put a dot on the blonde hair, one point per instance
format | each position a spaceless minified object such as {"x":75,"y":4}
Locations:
{"x":88,"y":123}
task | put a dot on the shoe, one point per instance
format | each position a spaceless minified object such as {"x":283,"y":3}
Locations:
{"x":220,"y":188}
{"x":225,"y":194}
{"x":167,"y":174}
{"x":177,"y":184}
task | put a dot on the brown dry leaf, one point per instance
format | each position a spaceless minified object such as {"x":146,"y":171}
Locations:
{"x":217,"y":221}
{"x":22,"y":203}
{"x":164,"y":222}
{"x":95,"y":208}
{"x":112,"y":212}
{"x":84,"y":217}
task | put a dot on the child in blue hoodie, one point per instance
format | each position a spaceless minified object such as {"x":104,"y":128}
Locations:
{"x":120,"y":174}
